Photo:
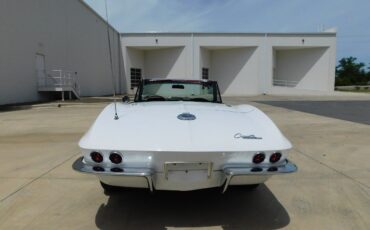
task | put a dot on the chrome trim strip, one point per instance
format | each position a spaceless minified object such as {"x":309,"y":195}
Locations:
{"x":147,"y":173}
{"x":228,"y":179}
{"x":230,"y":171}
{"x":210,"y":166}
{"x":150,"y":183}
{"x":165,"y":170}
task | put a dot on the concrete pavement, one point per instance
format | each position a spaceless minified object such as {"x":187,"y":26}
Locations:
{"x":39,"y":190}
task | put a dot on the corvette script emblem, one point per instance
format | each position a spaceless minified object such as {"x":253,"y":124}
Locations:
{"x":239,"y":135}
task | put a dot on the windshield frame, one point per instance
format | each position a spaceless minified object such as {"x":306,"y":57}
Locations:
{"x":216,"y":92}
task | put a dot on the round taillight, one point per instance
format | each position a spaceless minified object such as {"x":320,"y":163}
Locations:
{"x":115,"y":158}
{"x":275,"y":157}
{"x":116,"y":170}
{"x":258,"y":158}
{"x":98,"y":169}
{"x":96,"y":156}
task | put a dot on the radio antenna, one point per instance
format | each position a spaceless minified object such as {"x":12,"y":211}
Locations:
{"x":111,"y":63}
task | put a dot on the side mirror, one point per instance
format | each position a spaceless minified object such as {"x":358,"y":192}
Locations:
{"x":125,"y":99}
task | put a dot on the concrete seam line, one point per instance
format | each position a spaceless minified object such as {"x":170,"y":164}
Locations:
{"x":43,"y":174}
{"x":65,"y":178}
{"x":333,"y":169}
{"x":46,"y":178}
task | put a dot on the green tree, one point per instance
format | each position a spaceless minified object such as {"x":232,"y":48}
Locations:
{"x":350,"y":72}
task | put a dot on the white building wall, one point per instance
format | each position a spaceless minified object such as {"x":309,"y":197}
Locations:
{"x":308,"y":67}
{"x":71,"y":37}
{"x":205,"y":60}
{"x":235,"y":70}
{"x":165,"y":63}
{"x":318,"y":49}
{"x":135,"y":58}
{"x":242,"y":63}
{"x":163,"y":56}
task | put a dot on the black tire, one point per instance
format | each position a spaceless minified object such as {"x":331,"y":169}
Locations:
{"x":109,"y":189}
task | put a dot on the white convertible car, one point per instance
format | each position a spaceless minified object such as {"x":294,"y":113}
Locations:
{"x":178,"y":135}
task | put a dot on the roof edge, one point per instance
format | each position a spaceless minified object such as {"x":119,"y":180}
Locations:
{"x":98,"y":15}
{"x":233,"y":33}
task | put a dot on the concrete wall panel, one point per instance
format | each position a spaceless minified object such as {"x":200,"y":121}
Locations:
{"x":165,"y":63}
{"x":205,"y":60}
{"x":243,"y":63}
{"x":235,"y":70}
{"x":69,"y":35}
{"x":307,"y":68}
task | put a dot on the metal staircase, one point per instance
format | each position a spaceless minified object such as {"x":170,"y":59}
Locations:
{"x":59,"y":81}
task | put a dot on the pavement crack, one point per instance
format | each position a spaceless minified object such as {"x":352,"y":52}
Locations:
{"x":36,"y":178}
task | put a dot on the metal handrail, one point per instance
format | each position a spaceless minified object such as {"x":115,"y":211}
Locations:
{"x":285,"y":83}
{"x":59,"y":78}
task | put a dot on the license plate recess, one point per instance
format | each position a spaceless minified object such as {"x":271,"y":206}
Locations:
{"x":187,"y":166}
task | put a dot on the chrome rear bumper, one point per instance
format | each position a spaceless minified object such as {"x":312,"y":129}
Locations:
{"x":80,"y":166}
{"x":229,"y":171}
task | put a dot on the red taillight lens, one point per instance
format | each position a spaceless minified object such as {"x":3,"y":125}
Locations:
{"x":275,"y":157}
{"x":258,"y":158}
{"x":115,"y":158}
{"x":96,"y":156}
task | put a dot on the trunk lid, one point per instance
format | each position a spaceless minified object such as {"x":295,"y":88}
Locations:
{"x":155,"y":126}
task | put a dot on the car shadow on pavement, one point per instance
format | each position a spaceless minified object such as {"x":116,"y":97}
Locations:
{"x":238,"y":208}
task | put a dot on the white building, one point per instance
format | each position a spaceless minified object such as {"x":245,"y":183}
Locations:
{"x":242,"y":63}
{"x":49,"y":46}
{"x":40,"y":36}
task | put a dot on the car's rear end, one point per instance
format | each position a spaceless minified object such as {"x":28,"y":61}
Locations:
{"x":183,"y":170}
{"x":151,"y":147}
{"x":179,"y":136}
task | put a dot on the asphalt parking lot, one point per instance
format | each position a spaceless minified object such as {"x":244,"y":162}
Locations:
{"x":39,"y":190}
{"x":356,"y":111}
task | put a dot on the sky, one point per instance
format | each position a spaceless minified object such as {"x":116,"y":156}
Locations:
{"x":351,"y":18}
